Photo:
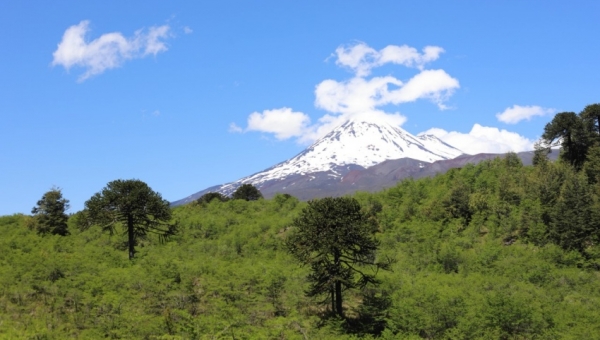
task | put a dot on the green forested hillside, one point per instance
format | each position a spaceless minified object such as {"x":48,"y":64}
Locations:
{"x":492,"y":251}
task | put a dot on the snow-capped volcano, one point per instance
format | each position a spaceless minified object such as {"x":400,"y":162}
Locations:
{"x":359,"y":143}
{"x":356,"y":144}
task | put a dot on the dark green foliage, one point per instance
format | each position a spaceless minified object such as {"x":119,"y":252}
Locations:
{"x":592,"y":165}
{"x":247,"y":192}
{"x":49,"y":214}
{"x":575,"y":224}
{"x":457,"y":202}
{"x":208,"y":197}
{"x":132,"y":205}
{"x":540,"y":155}
{"x":512,"y":160}
{"x":578,"y":133}
{"x":570,"y":129}
{"x":591,"y":118}
{"x":334,"y":237}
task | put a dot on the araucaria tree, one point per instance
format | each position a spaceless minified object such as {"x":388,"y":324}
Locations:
{"x":576,"y":134}
{"x":132,"y":205}
{"x":335,"y":238}
{"x":247,"y":192}
{"x":49,"y":213}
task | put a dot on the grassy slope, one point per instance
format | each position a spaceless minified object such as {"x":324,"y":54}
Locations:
{"x":226,"y":274}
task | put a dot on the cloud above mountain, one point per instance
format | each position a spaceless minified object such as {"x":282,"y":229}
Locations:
{"x":361,"y":59}
{"x":483,"y":139}
{"x":108,"y":51}
{"x":361,"y":96}
{"x":283,"y":123}
{"x":364,"y":97}
{"x":517,"y":113}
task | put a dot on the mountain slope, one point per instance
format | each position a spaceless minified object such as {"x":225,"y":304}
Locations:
{"x":360,"y":143}
{"x":354,"y":145}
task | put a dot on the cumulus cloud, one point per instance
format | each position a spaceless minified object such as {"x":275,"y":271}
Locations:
{"x":517,"y":113}
{"x":483,"y":139}
{"x":360,"y":97}
{"x":360,"y":58}
{"x":108,"y":51}
{"x":283,"y":123}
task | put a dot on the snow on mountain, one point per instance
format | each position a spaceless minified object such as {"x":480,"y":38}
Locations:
{"x":354,"y":145}
{"x":360,"y":143}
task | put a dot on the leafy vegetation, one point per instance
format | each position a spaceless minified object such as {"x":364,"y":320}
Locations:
{"x":489,"y":251}
{"x":247,"y":192}
{"x":206,"y":198}
{"x":49,"y":215}
{"x":132,"y":205}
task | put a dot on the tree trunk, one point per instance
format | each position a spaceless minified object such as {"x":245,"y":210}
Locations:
{"x":131,"y":240}
{"x":338,"y":298}
{"x":332,"y":292}
{"x":338,"y":284}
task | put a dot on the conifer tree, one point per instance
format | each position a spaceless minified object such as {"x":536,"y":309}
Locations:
{"x":49,"y":213}
{"x":569,"y":128}
{"x":209,"y":196}
{"x":591,"y":118}
{"x":132,"y":205}
{"x":335,"y":238}
{"x":575,"y":224}
{"x":247,"y":192}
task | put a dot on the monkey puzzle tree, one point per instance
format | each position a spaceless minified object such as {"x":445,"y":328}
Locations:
{"x":335,"y":238}
{"x":49,"y":213}
{"x":570,"y":129}
{"x":208,"y":197}
{"x":132,"y":205}
{"x":591,"y":119}
{"x":247,"y":192}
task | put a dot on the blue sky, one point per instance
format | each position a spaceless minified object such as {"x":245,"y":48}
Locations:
{"x":188,"y":94}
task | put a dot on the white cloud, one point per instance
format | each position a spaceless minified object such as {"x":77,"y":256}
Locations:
{"x":233,"y":128}
{"x":283,"y":123}
{"x":517,"y":113}
{"x":361,"y":58}
{"x":108,"y":51}
{"x":483,"y":139}
{"x":360,"y":97}
{"x":187,"y":30}
{"x":435,"y":85}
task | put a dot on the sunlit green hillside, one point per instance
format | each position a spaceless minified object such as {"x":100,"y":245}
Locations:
{"x":493,"y":251}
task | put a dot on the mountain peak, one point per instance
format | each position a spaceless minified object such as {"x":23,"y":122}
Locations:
{"x":359,"y":142}
{"x":354,"y":145}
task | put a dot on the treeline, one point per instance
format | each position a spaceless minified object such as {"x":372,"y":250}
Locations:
{"x":489,"y":251}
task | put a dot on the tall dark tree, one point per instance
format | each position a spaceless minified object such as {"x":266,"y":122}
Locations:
{"x":335,"y":238}
{"x":130,"y":204}
{"x":209,"y":196}
{"x":592,"y":164}
{"x":591,"y":118}
{"x":540,"y":154}
{"x":570,"y":129}
{"x":49,"y":213}
{"x":575,"y":224}
{"x":457,"y":202}
{"x":247,"y":192}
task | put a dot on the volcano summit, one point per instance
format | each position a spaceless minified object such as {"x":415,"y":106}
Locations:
{"x":353,"y":146}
